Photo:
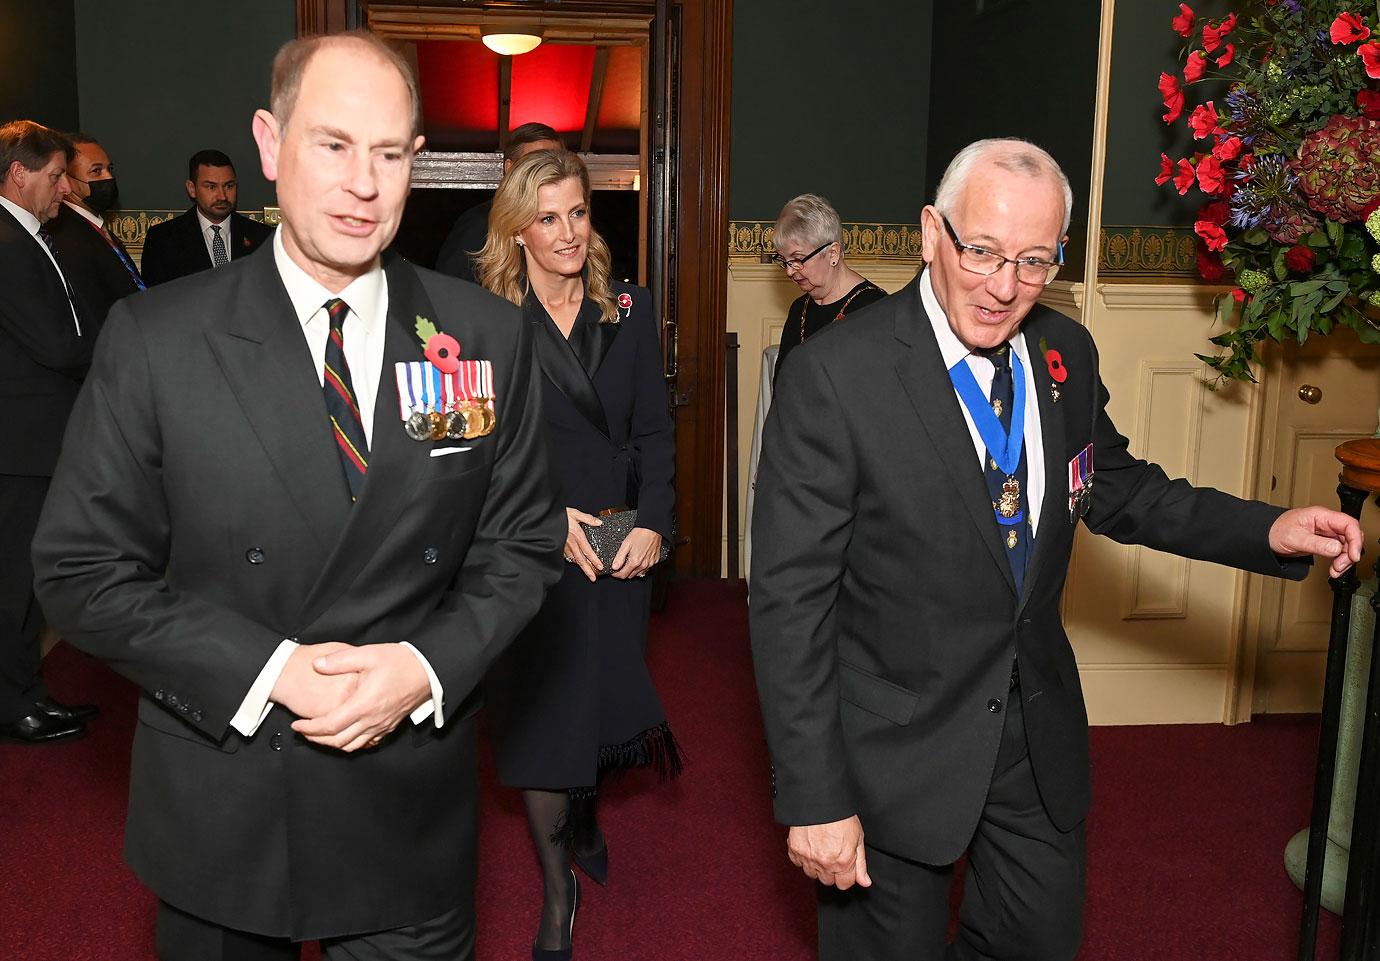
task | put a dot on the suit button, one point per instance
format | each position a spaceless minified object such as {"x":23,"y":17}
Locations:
{"x":158,"y":695}
{"x":196,"y":716}
{"x":429,"y":555}
{"x":183,"y":707}
{"x":276,"y":742}
{"x":172,"y":700}
{"x":255,"y":555}
{"x":994,"y":705}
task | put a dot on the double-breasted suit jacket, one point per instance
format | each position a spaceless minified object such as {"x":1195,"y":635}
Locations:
{"x":200,"y":515}
{"x":176,"y":247}
{"x":573,"y":694}
{"x":884,"y":614}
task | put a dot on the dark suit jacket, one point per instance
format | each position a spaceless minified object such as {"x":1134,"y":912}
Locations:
{"x":884,"y":616}
{"x":175,"y":248}
{"x":465,"y":240}
{"x":92,"y":267}
{"x":199,"y":515}
{"x":42,"y":356}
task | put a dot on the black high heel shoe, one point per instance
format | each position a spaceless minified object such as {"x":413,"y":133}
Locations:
{"x":562,"y":954}
{"x":594,"y":863}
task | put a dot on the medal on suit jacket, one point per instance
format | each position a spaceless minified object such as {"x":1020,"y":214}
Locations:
{"x":419,"y":398}
{"x":473,"y":392}
{"x":435,"y":405}
{"x":1004,"y":448}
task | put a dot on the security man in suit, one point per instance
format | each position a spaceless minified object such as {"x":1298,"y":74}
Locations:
{"x":45,"y":349}
{"x":923,"y":469}
{"x":211,"y":233}
{"x":257,"y":520}
{"x":97,"y":263}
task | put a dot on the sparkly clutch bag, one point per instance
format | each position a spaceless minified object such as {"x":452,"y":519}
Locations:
{"x":607,"y":538}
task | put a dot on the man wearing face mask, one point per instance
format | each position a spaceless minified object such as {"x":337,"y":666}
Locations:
{"x":98,"y":266}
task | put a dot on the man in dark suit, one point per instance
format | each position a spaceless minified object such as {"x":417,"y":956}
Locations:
{"x":45,"y":348}
{"x":97,"y":263}
{"x":471,"y":229}
{"x":923,"y":468}
{"x":244,"y":525}
{"x":211,"y":233}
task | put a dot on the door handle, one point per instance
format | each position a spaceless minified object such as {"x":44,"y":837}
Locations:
{"x":1310,"y":394}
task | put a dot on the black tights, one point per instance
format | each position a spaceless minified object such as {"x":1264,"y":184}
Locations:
{"x":548,"y":818}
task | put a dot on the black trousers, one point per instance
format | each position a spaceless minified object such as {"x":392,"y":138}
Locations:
{"x":184,"y":937}
{"x":21,"y":621}
{"x":1022,"y":896}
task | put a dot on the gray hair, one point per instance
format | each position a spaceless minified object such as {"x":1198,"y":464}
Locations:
{"x":808,"y":219}
{"x":1009,"y":153}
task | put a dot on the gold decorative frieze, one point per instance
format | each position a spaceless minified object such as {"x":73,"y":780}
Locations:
{"x":1132,"y":251}
{"x":132,"y":226}
{"x":752,"y":240}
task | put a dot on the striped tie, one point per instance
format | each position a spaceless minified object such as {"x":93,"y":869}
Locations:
{"x":340,"y":402}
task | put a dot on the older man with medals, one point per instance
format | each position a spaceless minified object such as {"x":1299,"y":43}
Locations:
{"x":306,"y":581}
{"x":909,"y":553}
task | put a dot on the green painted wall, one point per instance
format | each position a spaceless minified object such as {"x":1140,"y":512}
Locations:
{"x":1145,"y":44}
{"x":37,"y":49}
{"x":832,"y":98}
{"x":159,"y":81}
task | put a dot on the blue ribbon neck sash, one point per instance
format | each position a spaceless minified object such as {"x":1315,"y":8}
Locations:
{"x":1004,"y":448}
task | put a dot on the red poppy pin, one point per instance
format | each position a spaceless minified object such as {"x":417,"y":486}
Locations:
{"x":1058,"y":373}
{"x":625,"y":303}
{"x":441,"y":349}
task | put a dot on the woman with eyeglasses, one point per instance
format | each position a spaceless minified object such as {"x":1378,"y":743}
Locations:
{"x":572,"y":700}
{"x":809,"y":247}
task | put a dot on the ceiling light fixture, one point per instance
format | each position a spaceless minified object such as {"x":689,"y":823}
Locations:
{"x":511,"y":40}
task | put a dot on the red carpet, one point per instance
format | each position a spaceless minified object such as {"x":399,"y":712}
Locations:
{"x":1186,"y":839}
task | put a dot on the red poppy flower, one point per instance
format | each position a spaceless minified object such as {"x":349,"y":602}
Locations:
{"x":1239,"y":295}
{"x":1228,"y":55}
{"x":1228,"y":149}
{"x":1370,"y":56}
{"x":1210,"y":176}
{"x":1185,"y":177}
{"x":1183,"y":23}
{"x":443,"y":351}
{"x":625,"y":300}
{"x":1212,"y":235}
{"x":1057,"y":371}
{"x":1173,"y":97}
{"x":1195,"y":67}
{"x":1166,"y":170}
{"x":1347,"y":29}
{"x":1210,"y":266}
{"x":1203,"y":121}
{"x":1217,"y":212}
{"x":1299,"y":259}
{"x":1369,"y":103}
{"x":1212,"y":36}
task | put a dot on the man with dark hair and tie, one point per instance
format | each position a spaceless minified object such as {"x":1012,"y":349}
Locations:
{"x":923,"y":471}
{"x":472,"y":227}
{"x":211,"y":233}
{"x":98,"y":266}
{"x":45,"y":348}
{"x":304,"y":504}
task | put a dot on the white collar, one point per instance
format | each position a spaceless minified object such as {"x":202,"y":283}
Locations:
{"x":25,"y":217}
{"x":206,"y":224}
{"x":950,"y":347}
{"x":97,"y":221}
{"x":366,"y":295}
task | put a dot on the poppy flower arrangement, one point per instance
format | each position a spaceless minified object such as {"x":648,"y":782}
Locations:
{"x":1289,"y":161}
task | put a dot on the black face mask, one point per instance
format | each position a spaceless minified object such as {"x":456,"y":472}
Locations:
{"x":105,"y":194}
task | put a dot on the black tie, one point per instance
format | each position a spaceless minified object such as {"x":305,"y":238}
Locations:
{"x":47,"y":239}
{"x":1015,"y":529}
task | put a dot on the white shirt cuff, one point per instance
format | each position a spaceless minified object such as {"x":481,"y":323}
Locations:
{"x":256,"y":705}
{"x":433,"y":707}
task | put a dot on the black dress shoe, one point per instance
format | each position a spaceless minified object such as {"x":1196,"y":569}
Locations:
{"x":594,"y":863}
{"x":41,"y":728}
{"x":72,"y":712}
{"x":562,"y":954}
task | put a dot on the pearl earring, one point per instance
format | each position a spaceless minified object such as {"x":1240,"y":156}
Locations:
{"x":519,"y":242}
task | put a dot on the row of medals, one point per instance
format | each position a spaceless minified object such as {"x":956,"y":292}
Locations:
{"x":471,"y":419}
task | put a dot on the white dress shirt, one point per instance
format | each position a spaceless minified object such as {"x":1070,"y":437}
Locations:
{"x":87,"y":215}
{"x":953,"y":351}
{"x":208,"y":235}
{"x":367,"y":298}
{"x":30,"y":223}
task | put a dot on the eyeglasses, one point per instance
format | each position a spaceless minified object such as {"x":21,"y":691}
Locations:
{"x":980,"y":260}
{"x":785,"y":264}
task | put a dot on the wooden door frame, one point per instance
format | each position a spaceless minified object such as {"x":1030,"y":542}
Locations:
{"x":701,"y":266}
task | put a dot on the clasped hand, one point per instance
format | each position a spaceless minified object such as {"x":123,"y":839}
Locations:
{"x":638,"y":552}
{"x":350,"y":697}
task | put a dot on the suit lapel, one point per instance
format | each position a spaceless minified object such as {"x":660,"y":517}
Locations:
{"x":562,"y":367}
{"x":195,"y":243}
{"x":268,"y":365}
{"x":590,"y":339}
{"x":396,"y":462}
{"x":1054,"y":507}
{"x":926,"y":382}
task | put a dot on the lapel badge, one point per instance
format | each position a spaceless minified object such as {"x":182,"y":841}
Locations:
{"x":625,"y":303}
{"x":1058,"y":373}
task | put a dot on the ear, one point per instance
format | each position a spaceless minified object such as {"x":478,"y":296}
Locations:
{"x":931,"y":231}
{"x":191,"y":190}
{"x":418,"y":144}
{"x":268,"y":135}
{"x":18,"y":174}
